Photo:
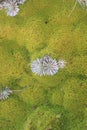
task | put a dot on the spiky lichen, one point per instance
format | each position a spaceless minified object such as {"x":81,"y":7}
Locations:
{"x":5,"y":93}
{"x":45,"y":66}
{"x":11,"y":6}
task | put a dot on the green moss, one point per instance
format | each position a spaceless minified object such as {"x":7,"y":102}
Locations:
{"x":33,"y":95}
{"x":11,"y":57}
{"x":11,"y":113}
{"x":75,"y":95}
{"x":43,"y":27}
{"x":43,"y":118}
{"x":57,"y":97}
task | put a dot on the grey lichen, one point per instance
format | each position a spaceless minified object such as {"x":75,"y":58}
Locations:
{"x":11,"y":6}
{"x":46,"y":66}
{"x":61,"y":63}
{"x":50,"y":65}
{"x":5,"y":93}
{"x":83,"y":3}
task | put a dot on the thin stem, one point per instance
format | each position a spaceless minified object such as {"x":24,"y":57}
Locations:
{"x":16,"y":90}
{"x":20,"y":89}
{"x":73,"y":8}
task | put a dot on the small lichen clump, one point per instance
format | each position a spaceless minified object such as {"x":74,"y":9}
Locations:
{"x":37,"y":67}
{"x":61,"y":63}
{"x":5,"y":93}
{"x":50,"y":65}
{"x":44,"y":66}
{"x":47,"y":66}
{"x":11,"y":6}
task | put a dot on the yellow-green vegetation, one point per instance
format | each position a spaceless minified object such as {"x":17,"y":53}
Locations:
{"x":56,"y":102}
{"x":43,"y":118}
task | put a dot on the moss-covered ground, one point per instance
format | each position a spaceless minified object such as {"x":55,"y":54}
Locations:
{"x":56,"y":102}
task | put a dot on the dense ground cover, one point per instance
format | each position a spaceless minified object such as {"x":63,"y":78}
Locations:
{"x":56,"y":102}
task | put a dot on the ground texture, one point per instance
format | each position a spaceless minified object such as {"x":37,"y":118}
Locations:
{"x":56,"y":102}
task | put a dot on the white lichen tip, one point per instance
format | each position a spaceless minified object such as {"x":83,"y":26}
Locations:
{"x":5,"y":93}
{"x":44,"y":66}
{"x":50,"y":65}
{"x":61,"y":63}
{"x":83,"y":3}
{"x":37,"y":67}
{"x":20,"y":1}
{"x":1,"y":6}
{"x":11,"y":7}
